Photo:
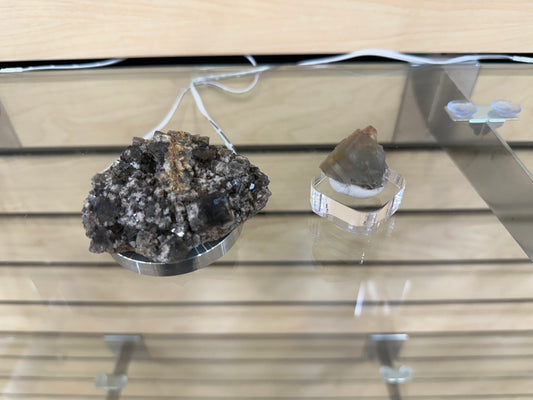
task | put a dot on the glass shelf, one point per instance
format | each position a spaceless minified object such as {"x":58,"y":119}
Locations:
{"x":289,"y":310}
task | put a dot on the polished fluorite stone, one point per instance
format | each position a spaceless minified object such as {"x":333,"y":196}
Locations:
{"x":167,"y":195}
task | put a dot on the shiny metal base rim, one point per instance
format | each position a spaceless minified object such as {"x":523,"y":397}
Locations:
{"x":197,"y":258}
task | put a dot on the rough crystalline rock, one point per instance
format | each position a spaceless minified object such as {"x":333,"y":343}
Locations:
{"x":358,"y":160}
{"x":167,"y":195}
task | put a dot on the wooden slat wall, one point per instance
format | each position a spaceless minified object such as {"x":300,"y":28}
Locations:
{"x":293,"y":371}
{"x":289,"y":238}
{"x":433,"y":182}
{"x":69,"y":178}
{"x":254,"y":284}
{"x":282,"y":368}
{"x":62,"y":365}
{"x":374,"y":390}
{"x":99,"y":107}
{"x":175,"y":347}
{"x":286,"y":312}
{"x":369,"y":390}
{"x":102,"y":107}
{"x":63,"y":30}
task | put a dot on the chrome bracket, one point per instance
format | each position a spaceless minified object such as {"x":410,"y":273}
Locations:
{"x":125,"y":348}
{"x":471,"y":141}
{"x":385,"y":349}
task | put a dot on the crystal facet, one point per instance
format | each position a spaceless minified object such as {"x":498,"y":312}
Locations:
{"x":357,"y":164}
{"x":167,"y":195}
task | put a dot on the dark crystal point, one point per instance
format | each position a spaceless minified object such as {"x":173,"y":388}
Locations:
{"x":210,"y":212}
{"x":167,"y":195}
{"x":357,"y":160}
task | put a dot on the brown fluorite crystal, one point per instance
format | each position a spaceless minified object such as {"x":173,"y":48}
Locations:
{"x":169,"y":194}
{"x":357,"y":160}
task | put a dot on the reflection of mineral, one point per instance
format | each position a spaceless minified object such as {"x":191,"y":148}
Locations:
{"x":357,"y":166}
{"x":167,"y":195}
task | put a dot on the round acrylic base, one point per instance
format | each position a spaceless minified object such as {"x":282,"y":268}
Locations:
{"x":362,"y":216}
{"x":197,"y":258}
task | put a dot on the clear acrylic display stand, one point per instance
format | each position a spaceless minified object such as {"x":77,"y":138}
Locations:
{"x":362,"y":216}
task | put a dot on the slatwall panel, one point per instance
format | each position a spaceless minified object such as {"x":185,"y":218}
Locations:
{"x":287,"y":312}
{"x":63,"y":30}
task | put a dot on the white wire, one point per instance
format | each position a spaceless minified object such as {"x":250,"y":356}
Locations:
{"x":231,"y":90}
{"x":414,"y":59}
{"x":522,"y":59}
{"x":94,"y":64}
{"x":203,"y":111}
{"x":212,"y":80}
{"x":169,"y":115}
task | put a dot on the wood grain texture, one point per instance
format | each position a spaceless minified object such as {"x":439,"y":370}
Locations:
{"x":338,"y":365}
{"x":64,"y":30}
{"x":497,"y":82}
{"x":289,"y":238}
{"x":265,"y":329}
{"x":298,"y":389}
{"x":278,"y":369}
{"x":432,"y":348}
{"x":266,"y":319}
{"x":289,"y":106}
{"x":34,"y":184}
{"x":201,"y":389}
{"x":331,"y":283}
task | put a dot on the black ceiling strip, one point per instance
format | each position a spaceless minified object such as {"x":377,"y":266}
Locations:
{"x":288,"y":263}
{"x":267,"y":213}
{"x":115,"y":150}
{"x":61,"y":358}
{"x":237,"y":380}
{"x":267,"y":303}
{"x":351,"y":397}
{"x":496,"y":334}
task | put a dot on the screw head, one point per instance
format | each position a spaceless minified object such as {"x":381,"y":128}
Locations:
{"x":505,"y":107}
{"x":462,"y":108}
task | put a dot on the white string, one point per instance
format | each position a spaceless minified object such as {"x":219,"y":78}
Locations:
{"x":94,"y":64}
{"x":203,"y":111}
{"x":169,"y":115}
{"x":210,"y":80}
{"x":415,"y":59}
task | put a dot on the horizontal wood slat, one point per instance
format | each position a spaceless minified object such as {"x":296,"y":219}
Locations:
{"x":48,"y":184}
{"x":289,"y":238}
{"x":192,"y":390}
{"x":289,"y":106}
{"x":268,"y":319}
{"x":433,"y":348}
{"x":98,"y":107}
{"x":280,"y":370}
{"x":59,"y":30}
{"x":429,"y":283}
{"x":348,"y":386}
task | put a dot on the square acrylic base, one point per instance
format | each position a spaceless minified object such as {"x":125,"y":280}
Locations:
{"x":362,"y":216}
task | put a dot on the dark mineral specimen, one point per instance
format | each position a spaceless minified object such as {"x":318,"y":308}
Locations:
{"x":169,"y":194}
{"x":357,"y":160}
